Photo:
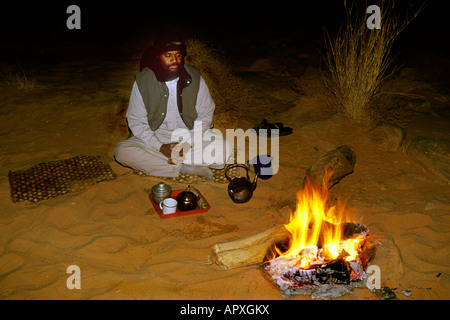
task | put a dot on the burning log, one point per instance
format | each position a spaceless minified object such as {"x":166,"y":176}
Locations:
{"x":336,"y":272}
{"x":330,"y":280}
{"x":321,"y":277}
{"x":332,"y":167}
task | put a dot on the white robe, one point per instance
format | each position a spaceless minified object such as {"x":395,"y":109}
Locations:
{"x":141,"y":152}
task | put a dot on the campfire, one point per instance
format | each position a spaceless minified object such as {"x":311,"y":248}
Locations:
{"x":320,"y":251}
{"x":324,"y":247}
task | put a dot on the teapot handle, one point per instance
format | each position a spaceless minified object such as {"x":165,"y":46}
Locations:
{"x":235,"y":166}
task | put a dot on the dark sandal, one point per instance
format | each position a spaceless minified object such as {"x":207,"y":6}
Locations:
{"x":282,"y":130}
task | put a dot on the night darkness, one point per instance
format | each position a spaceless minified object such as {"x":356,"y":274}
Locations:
{"x":37,"y":26}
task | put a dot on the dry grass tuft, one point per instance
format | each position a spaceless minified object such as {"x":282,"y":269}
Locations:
{"x":14,"y":76}
{"x":232,"y":96}
{"x":358,"y":58}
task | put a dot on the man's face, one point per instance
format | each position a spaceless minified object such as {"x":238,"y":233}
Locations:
{"x":171,"y":61}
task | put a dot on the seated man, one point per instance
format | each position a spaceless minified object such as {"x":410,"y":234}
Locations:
{"x":170,"y":103}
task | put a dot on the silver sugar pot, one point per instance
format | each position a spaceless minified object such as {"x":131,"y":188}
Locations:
{"x":161,"y":191}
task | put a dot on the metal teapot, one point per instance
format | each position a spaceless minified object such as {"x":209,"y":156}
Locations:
{"x":241,"y":189}
{"x":187,"y":200}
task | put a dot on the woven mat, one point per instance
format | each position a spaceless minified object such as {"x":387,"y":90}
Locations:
{"x":219,"y":175}
{"x":55,"y":178}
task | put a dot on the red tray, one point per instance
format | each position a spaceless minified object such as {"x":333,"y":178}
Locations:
{"x":178,"y":213}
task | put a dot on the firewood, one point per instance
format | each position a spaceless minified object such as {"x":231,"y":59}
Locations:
{"x":331,"y":167}
{"x":247,"y":251}
{"x":337,"y":272}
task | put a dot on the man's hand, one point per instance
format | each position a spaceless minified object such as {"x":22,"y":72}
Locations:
{"x":175,"y":151}
{"x":166,"y":149}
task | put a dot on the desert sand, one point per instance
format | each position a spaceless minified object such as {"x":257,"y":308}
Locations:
{"x":126,"y":251}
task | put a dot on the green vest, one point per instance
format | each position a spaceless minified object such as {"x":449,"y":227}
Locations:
{"x":156,"y":94}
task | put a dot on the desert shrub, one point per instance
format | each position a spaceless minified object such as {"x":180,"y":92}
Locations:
{"x":357,"y":61}
{"x":232,"y":95}
{"x":12,"y":75}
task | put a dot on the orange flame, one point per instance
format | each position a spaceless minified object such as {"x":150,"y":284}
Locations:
{"x":316,"y":231}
